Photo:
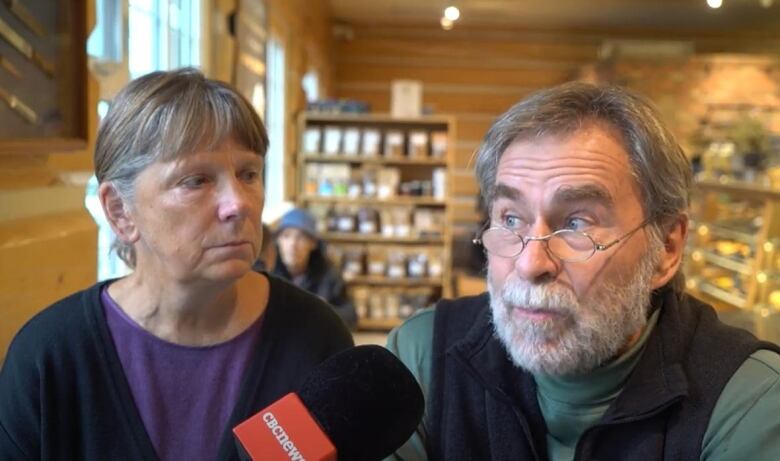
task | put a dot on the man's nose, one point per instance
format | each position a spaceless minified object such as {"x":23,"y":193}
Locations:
{"x":535,"y":263}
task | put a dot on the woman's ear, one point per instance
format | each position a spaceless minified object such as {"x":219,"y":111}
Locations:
{"x":674,"y":237}
{"x":117,"y":213}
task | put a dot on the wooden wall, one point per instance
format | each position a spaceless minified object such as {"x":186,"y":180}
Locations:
{"x":303,"y":27}
{"x":472,"y":75}
{"x":477,"y":74}
{"x":48,"y":241}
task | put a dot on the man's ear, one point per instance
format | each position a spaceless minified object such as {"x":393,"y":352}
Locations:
{"x":674,"y":236}
{"x":117,"y":213}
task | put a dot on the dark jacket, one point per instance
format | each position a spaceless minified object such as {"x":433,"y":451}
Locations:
{"x":63,"y":394}
{"x":322,"y":279}
{"x":483,"y":407}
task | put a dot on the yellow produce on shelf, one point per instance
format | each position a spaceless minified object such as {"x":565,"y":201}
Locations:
{"x":725,"y":282}
{"x":774,"y":299}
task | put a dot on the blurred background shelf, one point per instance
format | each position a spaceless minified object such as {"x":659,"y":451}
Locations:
{"x":323,"y":158}
{"x":389,"y":201}
{"x":379,"y":239}
{"x":345,"y":163}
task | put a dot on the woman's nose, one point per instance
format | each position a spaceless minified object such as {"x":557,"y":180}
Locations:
{"x":234,"y":201}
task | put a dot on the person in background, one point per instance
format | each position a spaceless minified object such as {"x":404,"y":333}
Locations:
{"x":301,"y":258}
{"x":585,"y":345}
{"x":164,"y":362}
{"x":267,"y":257}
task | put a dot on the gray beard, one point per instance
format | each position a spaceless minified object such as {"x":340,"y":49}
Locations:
{"x":585,"y":335}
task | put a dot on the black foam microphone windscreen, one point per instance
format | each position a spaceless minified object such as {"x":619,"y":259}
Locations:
{"x":365,"y":400}
{"x":358,"y":405}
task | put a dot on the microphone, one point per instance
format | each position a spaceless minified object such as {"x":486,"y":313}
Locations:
{"x":358,"y":405}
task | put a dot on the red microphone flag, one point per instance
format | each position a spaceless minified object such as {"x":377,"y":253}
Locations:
{"x":285,"y":431}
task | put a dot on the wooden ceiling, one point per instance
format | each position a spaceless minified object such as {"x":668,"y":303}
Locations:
{"x":746,"y":16}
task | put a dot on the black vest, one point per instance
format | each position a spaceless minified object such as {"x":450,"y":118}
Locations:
{"x":482,"y":407}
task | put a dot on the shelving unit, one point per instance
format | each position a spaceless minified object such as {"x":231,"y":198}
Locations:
{"x":732,"y":260}
{"x":379,"y":188}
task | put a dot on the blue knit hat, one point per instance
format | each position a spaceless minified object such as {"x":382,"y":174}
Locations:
{"x":299,"y":218}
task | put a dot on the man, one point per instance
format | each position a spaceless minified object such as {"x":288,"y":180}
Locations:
{"x":585,"y":346}
{"x":301,"y":259}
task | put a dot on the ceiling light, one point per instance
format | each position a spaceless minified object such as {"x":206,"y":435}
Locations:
{"x":452,"y":13}
{"x":446,"y":24}
{"x":714,"y":3}
{"x":767,"y":3}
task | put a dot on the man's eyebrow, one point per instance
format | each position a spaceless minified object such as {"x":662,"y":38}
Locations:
{"x":515,"y":195}
{"x":589,"y":192}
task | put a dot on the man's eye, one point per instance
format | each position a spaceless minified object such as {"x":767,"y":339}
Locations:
{"x":511,"y":222}
{"x":577,"y":224}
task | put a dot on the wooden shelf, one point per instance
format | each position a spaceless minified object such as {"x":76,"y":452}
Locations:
{"x":744,"y":268}
{"x":743,"y":106}
{"x":754,"y":191}
{"x":378,"y":160}
{"x":732,"y":233}
{"x":379,"y":238}
{"x":378,"y":324}
{"x":390,"y":201}
{"x":399,"y":282}
{"x":375,"y":118}
{"x":720,"y":294}
{"x":410,"y":168}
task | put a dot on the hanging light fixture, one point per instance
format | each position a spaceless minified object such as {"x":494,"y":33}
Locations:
{"x":449,"y":16}
{"x":452,"y":13}
{"x":714,"y":4}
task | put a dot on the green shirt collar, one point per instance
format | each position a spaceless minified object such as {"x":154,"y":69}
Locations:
{"x":602,"y":384}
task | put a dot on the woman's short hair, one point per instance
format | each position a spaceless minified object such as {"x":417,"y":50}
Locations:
{"x":164,"y":115}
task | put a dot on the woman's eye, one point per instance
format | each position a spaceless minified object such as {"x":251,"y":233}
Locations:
{"x":250,"y":175}
{"x":194,"y":182}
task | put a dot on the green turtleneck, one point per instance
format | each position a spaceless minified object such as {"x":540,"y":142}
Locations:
{"x":571,"y":404}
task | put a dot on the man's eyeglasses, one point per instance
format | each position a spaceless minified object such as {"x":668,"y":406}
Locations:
{"x":567,"y":245}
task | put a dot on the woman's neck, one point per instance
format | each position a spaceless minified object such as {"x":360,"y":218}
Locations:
{"x":194,"y":314}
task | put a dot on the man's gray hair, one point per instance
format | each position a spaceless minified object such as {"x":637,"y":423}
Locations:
{"x":162,"y":116}
{"x":658,"y":163}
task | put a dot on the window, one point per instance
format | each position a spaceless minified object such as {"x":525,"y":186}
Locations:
{"x":274,"y":165}
{"x":163,"y":34}
{"x":311,"y":86}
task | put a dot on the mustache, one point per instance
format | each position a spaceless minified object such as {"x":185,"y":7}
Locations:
{"x":549,"y":297}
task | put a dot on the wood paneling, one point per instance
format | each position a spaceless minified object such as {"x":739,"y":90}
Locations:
{"x":303,"y":27}
{"x":472,"y":79}
{"x":465,"y":154}
{"x":569,"y":53}
{"x":440,"y":102}
{"x":464,"y":184}
{"x":445,"y":71}
{"x":476,"y":75}
{"x":42,"y":259}
{"x":48,"y":241}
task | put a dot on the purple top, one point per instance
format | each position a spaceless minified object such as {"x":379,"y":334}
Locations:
{"x":184,"y":394}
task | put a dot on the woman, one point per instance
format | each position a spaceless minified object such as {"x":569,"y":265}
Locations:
{"x":163,"y":363}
